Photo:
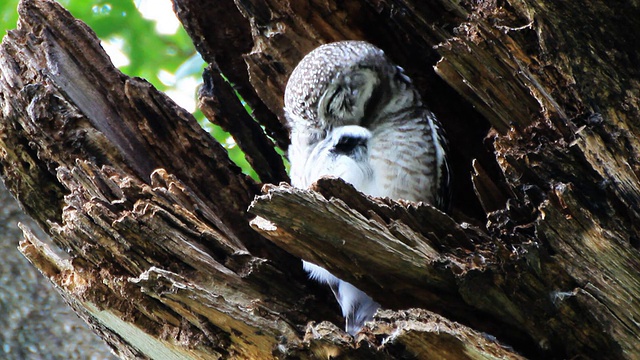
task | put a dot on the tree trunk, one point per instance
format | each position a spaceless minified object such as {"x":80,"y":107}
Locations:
{"x":537,"y":259}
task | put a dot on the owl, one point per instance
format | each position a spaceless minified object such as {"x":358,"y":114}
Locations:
{"x":355,"y":115}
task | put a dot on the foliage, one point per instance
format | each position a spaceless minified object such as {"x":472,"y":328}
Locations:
{"x":150,"y":54}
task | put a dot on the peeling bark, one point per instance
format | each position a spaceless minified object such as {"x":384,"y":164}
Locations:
{"x":537,"y":259}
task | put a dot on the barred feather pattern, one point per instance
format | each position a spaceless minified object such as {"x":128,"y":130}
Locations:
{"x":353,"y":114}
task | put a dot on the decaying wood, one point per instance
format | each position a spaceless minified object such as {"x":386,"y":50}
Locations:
{"x":139,"y":240}
{"x":171,"y":252}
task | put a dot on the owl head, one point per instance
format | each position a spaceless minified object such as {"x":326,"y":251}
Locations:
{"x":340,"y":84}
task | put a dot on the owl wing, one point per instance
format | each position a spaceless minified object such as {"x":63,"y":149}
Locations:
{"x":408,"y":158}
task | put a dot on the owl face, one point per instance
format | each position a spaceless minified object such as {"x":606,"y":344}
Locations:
{"x":337,"y":84}
{"x":348,"y":98}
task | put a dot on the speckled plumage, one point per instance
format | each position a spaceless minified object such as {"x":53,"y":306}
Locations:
{"x":353,"y":114}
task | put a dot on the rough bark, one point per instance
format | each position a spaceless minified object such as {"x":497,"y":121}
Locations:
{"x":538,"y":258}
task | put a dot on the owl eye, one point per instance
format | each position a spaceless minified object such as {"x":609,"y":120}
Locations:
{"x":340,"y":102}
